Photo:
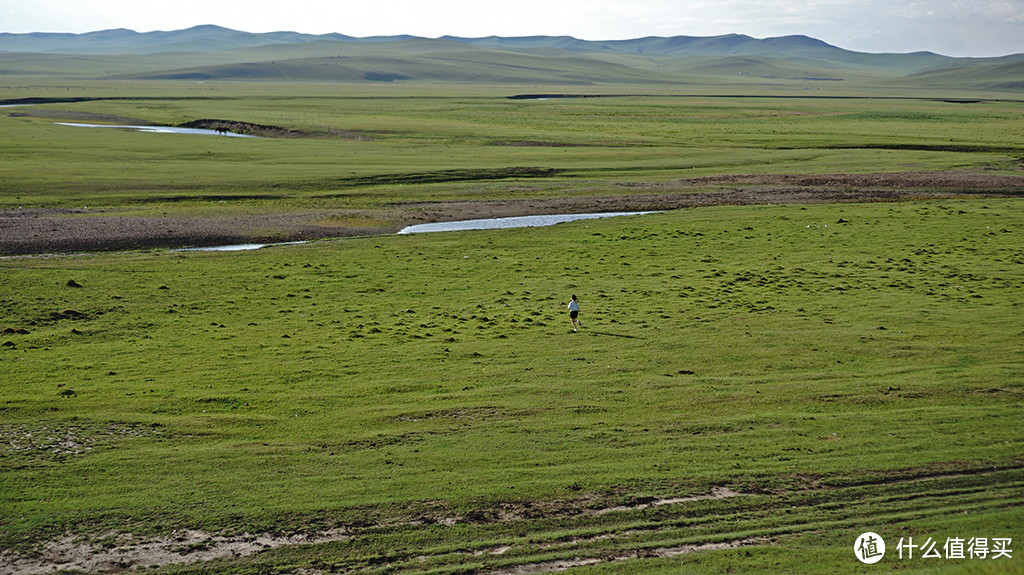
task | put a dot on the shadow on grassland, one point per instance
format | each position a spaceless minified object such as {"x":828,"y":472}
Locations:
{"x":605,"y":333}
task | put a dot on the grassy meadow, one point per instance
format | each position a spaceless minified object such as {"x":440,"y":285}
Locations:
{"x":382,"y":146}
{"x":844,"y":368}
{"x":753,"y":387}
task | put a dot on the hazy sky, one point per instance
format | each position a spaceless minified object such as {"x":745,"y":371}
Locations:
{"x":950,"y":27}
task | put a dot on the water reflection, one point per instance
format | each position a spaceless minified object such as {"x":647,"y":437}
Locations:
{"x":237,"y":247}
{"x":161,"y":129}
{"x":515,"y":222}
{"x":462,"y":225}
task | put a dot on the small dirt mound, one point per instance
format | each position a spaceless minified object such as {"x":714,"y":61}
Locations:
{"x":247,"y":128}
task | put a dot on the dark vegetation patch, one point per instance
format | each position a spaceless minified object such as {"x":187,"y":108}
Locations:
{"x":38,"y":100}
{"x":958,"y":148}
{"x":444,"y":176}
{"x":45,"y":100}
{"x":382,"y":77}
{"x":244,"y":128}
{"x":565,"y":96}
{"x":182,"y":76}
{"x":755,"y":96}
{"x":539,"y":144}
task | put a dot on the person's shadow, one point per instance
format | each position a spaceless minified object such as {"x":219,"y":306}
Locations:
{"x":614,"y":334}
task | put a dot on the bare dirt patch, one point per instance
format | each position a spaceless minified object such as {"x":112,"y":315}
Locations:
{"x":45,"y":231}
{"x":739,"y":190}
{"x":62,"y":440}
{"x":114,"y":552}
{"x":716,"y":493}
{"x":75,"y":116}
{"x":39,"y":231}
{"x":564,"y":537}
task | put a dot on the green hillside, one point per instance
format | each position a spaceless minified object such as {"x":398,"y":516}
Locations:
{"x":1004,"y":74}
{"x":409,"y":60}
{"x":761,"y":67}
{"x":121,"y":41}
{"x":208,"y":53}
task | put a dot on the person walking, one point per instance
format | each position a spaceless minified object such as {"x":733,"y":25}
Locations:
{"x":574,"y":313}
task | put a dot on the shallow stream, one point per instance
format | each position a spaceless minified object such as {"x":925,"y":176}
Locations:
{"x":462,"y":225}
{"x":160,"y":129}
{"x":515,"y":222}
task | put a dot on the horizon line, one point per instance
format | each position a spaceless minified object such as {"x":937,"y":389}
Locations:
{"x":458,"y":37}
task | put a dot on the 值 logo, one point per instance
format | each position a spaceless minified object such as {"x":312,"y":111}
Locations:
{"x":869,"y":548}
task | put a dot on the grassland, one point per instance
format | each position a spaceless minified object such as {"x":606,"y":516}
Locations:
{"x":841,"y":367}
{"x":754,"y":385}
{"x":373,"y":156}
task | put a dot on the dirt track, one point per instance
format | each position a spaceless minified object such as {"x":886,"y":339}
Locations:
{"x":41,"y":231}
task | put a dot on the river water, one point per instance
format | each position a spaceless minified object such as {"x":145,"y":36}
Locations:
{"x":160,"y":129}
{"x":516,"y":222}
{"x":462,"y":225}
{"x":237,"y":247}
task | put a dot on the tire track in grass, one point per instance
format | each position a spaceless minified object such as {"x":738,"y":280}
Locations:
{"x":688,"y":525}
{"x":564,"y":535}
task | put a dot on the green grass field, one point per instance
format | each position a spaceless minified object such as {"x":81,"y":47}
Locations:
{"x":753,"y":387}
{"x":384,"y":146}
{"x":844,"y":368}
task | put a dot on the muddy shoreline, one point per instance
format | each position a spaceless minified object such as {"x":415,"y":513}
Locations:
{"x":61,"y":231}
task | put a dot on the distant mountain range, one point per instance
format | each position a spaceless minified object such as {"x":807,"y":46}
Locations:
{"x":213,"y":52}
{"x":121,"y":41}
{"x":216,"y":38}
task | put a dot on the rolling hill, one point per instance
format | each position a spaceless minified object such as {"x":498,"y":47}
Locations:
{"x":206,"y":53}
{"x":1003,"y":74}
{"x":121,"y":41}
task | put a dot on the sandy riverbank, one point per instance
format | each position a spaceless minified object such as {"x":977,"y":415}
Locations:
{"x":63,"y":230}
